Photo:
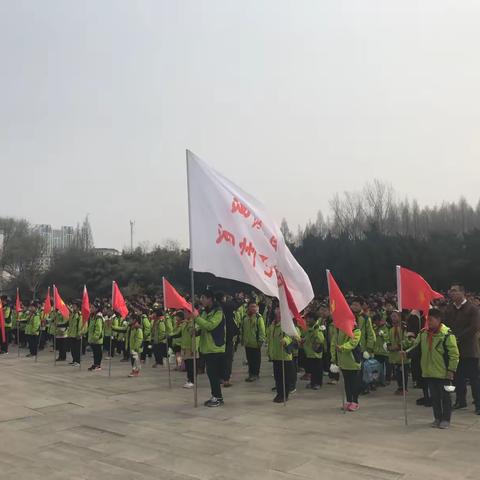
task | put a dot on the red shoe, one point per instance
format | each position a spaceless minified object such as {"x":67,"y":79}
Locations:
{"x":346,"y":406}
{"x":353,"y":407}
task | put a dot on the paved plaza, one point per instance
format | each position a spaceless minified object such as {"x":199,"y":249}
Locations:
{"x":57,"y":422}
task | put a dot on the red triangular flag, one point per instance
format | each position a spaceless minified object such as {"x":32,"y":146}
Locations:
{"x":118,"y":302}
{"x":172,"y":299}
{"x":413,"y":291}
{"x":47,"y":306}
{"x":59,"y":304}
{"x":18,"y":304}
{"x":85,"y":306}
{"x":2,"y":323}
{"x":343,"y":317}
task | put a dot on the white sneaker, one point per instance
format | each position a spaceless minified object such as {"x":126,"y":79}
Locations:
{"x":189,"y":385}
{"x":76,"y":364}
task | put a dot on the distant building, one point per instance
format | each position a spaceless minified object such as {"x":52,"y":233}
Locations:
{"x":106,"y":252}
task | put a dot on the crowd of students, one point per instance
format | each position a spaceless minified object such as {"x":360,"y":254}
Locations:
{"x":438,"y":355}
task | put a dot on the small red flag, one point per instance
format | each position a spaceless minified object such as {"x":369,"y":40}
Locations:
{"x":85,"y":306}
{"x":18,"y":304}
{"x":2,"y":323}
{"x":172,"y":299}
{"x":343,"y":317}
{"x":413,"y":291}
{"x":47,"y":305}
{"x":118,"y":302}
{"x":59,"y":304}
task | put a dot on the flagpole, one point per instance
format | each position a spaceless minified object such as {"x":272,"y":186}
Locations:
{"x":283,"y":375}
{"x":54,"y":329}
{"x":110,"y":348}
{"x":195,"y":388}
{"x":18,"y":328}
{"x":400,"y":308}
{"x":195,"y":392}
{"x":81,"y":347}
{"x":166,"y":334}
{"x":39,"y":338}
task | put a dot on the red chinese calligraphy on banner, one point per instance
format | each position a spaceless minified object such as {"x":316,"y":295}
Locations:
{"x":224,"y":235}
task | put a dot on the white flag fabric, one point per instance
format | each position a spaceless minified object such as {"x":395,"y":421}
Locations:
{"x":233,"y":236}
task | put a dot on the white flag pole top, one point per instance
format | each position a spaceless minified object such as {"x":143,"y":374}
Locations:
{"x":54,"y":302}
{"x":233,"y":236}
{"x":399,"y":288}
{"x":164,"y":303}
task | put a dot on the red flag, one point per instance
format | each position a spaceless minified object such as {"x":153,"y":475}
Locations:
{"x":47,"y":306}
{"x":413,"y":291}
{"x":343,"y":317}
{"x":18,"y":304}
{"x":118,"y":302}
{"x":172,"y":299}
{"x":59,"y":304}
{"x":2,"y":323}
{"x":85,"y":306}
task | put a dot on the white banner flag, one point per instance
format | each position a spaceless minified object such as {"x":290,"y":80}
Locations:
{"x":233,"y":236}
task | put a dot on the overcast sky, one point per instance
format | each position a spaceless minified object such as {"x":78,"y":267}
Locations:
{"x":292,"y":100}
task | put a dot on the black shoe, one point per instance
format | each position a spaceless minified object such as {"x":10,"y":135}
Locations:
{"x":60,"y":359}
{"x":278,"y":399}
{"x":459,"y":406}
{"x":274,"y":389}
{"x":214,"y":402}
{"x":421,"y":401}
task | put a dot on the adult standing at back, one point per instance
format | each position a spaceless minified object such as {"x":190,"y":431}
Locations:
{"x":463,"y":318}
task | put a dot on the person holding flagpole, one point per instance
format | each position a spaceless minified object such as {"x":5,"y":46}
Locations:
{"x":95,"y":338}
{"x":211,"y":324}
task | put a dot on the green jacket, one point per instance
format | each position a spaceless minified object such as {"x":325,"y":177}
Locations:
{"x":277,"y":351}
{"x":21,"y":319}
{"x":398,"y":340}
{"x":253,"y":331}
{"x":345,"y":358}
{"x":119,"y":328}
{"x":96,"y":330}
{"x":186,"y":341}
{"x":314,"y":342}
{"x":240,"y":312}
{"x":442,"y":357}
{"x":367,"y":341}
{"x":212,"y":331}
{"x":136,"y":340}
{"x":168,"y":325}
{"x":158,"y":331}
{"x":147,"y":328}
{"x":75,"y":325}
{"x":61,"y":325}
{"x":32,"y":326}
{"x":381,"y":339}
{"x":7,"y":313}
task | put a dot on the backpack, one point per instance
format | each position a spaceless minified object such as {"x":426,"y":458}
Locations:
{"x":371,"y":371}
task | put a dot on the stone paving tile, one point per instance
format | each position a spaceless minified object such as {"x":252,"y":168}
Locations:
{"x":58,"y":423}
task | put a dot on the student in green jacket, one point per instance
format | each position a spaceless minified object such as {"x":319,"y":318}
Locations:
{"x":347,"y":355}
{"x":8,"y":315}
{"x":95,"y":338}
{"x":313,"y":343}
{"x":32,"y":330}
{"x":75,"y":325}
{"x":147,"y":337}
{"x":211,"y":324}
{"x":398,"y":340}
{"x":186,"y":342}
{"x":252,"y":331}
{"x":135,"y":343}
{"x":439,"y":360}
{"x":380,"y":350}
{"x":159,"y":337}
{"x":280,"y":353}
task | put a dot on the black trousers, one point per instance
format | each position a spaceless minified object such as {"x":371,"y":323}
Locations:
{"x":190,"y":372}
{"x":441,"y":400}
{"x":75,"y":349}
{"x":97,"y":354}
{"x":254,"y":359}
{"x":84,"y":345}
{"x":290,"y":373}
{"x":228,"y":360}
{"x":215,"y":369}
{"x":32,"y":344}
{"x":159,"y":352}
{"x":468,"y":368}
{"x":353,"y":381}
{"x":62,"y":348}
{"x":106,"y":344}
{"x":8,"y":339}
{"x":398,"y":375}
{"x":146,"y":350}
{"x":315,"y":367}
